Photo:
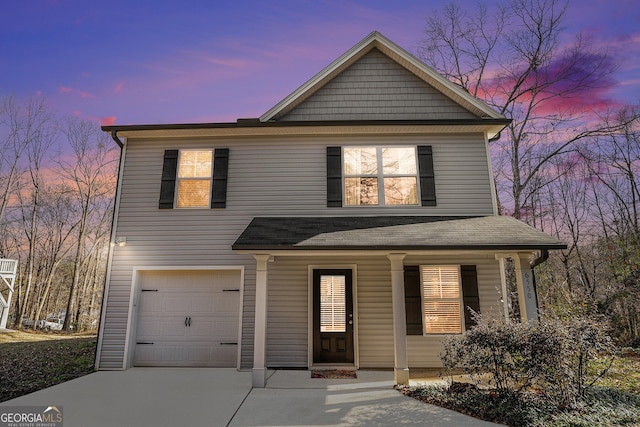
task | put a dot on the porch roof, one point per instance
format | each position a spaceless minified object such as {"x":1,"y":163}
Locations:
{"x":392,"y":233}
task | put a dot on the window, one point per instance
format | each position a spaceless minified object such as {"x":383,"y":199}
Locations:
{"x":194,"y":178}
{"x":333,"y":305}
{"x":441,"y":299}
{"x":380,"y":176}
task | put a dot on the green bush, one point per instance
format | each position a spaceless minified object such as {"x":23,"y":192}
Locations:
{"x":556,"y":358}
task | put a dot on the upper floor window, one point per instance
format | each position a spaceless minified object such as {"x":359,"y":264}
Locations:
{"x":380,"y":176}
{"x":195,"y":172}
{"x":441,"y":299}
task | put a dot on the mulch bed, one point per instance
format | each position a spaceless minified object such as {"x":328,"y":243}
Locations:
{"x":334,"y":374}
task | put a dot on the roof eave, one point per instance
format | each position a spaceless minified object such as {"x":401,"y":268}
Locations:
{"x":251,"y":124}
{"x":396,"y":248}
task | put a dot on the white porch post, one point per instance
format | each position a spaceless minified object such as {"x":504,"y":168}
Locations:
{"x":401,"y":363}
{"x":259,"y":377}
{"x":526,"y":291}
{"x":503,"y":281}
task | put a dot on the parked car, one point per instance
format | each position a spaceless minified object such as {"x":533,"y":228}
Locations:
{"x":27,"y":322}
{"x":51,"y":324}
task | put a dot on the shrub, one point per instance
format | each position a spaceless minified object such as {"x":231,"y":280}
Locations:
{"x":554,"y":357}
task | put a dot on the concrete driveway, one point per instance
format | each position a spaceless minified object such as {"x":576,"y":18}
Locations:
{"x":171,"y":397}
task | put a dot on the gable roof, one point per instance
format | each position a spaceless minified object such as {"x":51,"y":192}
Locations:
{"x":377,"y":41}
{"x":470,"y":113}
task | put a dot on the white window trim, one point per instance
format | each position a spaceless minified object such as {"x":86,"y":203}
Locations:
{"x":178,"y":179}
{"x":460,"y":299}
{"x":380,"y":176}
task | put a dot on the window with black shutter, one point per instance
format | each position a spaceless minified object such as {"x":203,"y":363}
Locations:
{"x":380,"y":176}
{"x":438,"y":297}
{"x":194,"y":179}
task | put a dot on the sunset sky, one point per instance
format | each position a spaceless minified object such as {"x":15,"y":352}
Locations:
{"x":135,"y":62}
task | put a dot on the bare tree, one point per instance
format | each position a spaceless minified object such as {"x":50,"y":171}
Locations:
{"x":615,"y":163}
{"x":514,"y":60}
{"x":42,"y":140}
{"x":33,"y":134}
{"x":614,"y":166}
{"x":58,"y":223}
{"x":90,"y":169}
{"x":592,"y":204}
{"x":19,"y":126}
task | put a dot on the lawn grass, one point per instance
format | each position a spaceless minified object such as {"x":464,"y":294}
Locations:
{"x":624,"y":374}
{"x":32,"y":361}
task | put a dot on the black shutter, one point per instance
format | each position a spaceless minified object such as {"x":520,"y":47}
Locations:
{"x":334,"y":177}
{"x":168,"y":183}
{"x":427,"y":177}
{"x":412,"y":300}
{"x":220,"y":171}
{"x":470,"y":295}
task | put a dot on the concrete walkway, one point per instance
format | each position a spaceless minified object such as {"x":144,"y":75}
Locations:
{"x":162,"y":397}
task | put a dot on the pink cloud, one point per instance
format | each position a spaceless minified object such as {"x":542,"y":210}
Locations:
{"x":107,"y":121}
{"x":69,"y":90}
{"x":568,"y":84}
{"x":119,"y":87}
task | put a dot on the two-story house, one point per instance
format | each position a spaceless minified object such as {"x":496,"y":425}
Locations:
{"x":352,"y":225}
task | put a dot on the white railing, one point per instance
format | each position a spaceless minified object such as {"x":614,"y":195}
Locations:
{"x":8,"y":266}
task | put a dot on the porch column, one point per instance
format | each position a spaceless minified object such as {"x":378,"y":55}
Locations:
{"x":259,"y":377}
{"x":503,"y":281}
{"x":401,"y":363}
{"x":527,"y":297}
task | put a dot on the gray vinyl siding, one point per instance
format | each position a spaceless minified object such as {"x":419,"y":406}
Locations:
{"x":377,"y":88}
{"x":283,"y":176}
{"x":424,"y":351}
{"x":288,"y":305}
{"x":287,"y":315}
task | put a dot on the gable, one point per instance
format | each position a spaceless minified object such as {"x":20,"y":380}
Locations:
{"x":387,"y":65}
{"x":376,"y":88}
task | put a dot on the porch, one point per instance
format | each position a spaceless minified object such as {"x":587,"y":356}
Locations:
{"x":379,"y":247}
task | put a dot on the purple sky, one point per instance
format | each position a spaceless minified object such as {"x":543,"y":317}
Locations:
{"x":161,"y":61}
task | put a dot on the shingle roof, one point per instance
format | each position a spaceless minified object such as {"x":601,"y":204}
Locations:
{"x":393,"y":232}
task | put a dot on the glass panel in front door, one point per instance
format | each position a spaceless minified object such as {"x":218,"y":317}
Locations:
{"x":333,"y":303}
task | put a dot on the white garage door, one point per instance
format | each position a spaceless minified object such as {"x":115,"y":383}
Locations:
{"x":188,"y":318}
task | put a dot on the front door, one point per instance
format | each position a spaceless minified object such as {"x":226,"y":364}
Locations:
{"x":332,"y":316}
